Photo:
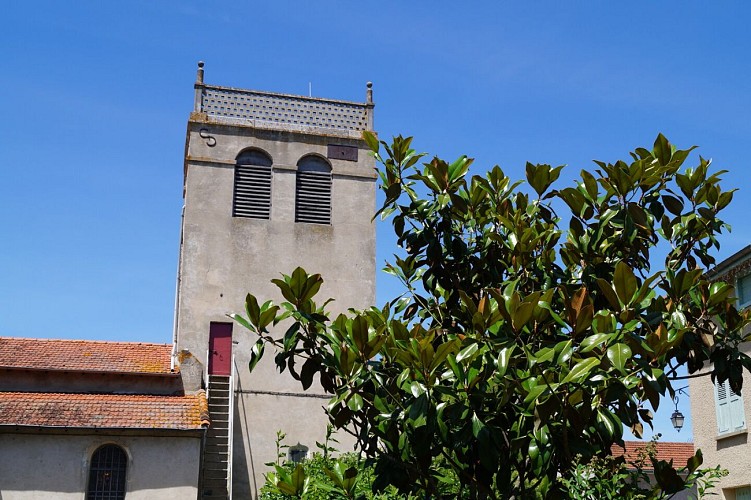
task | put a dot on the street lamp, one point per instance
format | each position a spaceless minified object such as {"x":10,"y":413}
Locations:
{"x":677,"y":417}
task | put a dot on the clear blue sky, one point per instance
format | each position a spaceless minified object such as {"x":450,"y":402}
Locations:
{"x":96,"y":96}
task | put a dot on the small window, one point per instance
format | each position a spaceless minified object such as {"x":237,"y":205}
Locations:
{"x":251,"y":197}
{"x":729,"y":406}
{"x":743,"y":493}
{"x":107,"y":473}
{"x":298,"y":453}
{"x":313,"y":191}
{"x":743,"y":290}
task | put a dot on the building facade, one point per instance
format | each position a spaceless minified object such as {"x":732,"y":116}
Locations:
{"x":95,"y":420}
{"x":719,"y":415}
{"x":272,"y":182}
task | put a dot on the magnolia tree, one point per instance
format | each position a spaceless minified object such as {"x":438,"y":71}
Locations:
{"x":534,"y":325}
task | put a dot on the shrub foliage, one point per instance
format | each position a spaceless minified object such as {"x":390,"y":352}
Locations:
{"x":534,"y":323}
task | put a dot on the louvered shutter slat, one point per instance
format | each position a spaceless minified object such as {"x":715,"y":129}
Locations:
{"x":731,"y":415}
{"x":313,"y":197}
{"x":252,"y":192}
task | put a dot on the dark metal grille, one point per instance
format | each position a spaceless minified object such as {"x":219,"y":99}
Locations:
{"x":107,"y":474}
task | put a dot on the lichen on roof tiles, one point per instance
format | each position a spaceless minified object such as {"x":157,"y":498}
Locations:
{"x":102,"y":410}
{"x":85,"y":355}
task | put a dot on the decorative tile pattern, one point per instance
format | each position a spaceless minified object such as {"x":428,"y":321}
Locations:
{"x":270,"y":109}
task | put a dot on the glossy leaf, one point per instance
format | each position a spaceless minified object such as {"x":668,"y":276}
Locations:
{"x":619,"y":355}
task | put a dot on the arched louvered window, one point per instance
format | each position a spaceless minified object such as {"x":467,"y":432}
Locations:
{"x":252,"y":193}
{"x":107,"y":473}
{"x":313,"y":191}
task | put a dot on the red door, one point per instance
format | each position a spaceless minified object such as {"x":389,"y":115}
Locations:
{"x":220,"y":349}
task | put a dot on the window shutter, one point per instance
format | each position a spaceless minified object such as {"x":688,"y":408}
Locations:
{"x":737,"y":415}
{"x":730,"y":413}
{"x":313,"y":191}
{"x":721,"y":402}
{"x":252,"y":194}
{"x":743,"y":290}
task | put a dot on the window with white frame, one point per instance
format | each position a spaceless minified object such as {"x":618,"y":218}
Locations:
{"x":743,"y":291}
{"x":730,"y":415}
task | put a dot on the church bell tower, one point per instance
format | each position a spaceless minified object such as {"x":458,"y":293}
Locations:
{"x":271,"y":182}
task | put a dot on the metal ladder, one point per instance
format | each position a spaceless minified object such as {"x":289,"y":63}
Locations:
{"x":217,"y":454}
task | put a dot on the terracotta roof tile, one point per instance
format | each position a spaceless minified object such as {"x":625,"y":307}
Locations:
{"x":85,"y":355}
{"x":103,"y":410}
{"x":678,"y":452}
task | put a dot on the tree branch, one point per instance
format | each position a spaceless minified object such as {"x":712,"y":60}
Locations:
{"x":695,"y":375}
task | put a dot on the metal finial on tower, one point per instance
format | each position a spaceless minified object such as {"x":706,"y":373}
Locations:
{"x":369,"y":94}
{"x":199,"y":74}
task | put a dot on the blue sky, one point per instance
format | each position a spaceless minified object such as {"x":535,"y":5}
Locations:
{"x":97,"y":94}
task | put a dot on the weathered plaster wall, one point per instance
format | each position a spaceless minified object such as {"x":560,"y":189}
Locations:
{"x":223,"y":258}
{"x":732,"y":451}
{"x":56,"y":466}
{"x":61,"y":381}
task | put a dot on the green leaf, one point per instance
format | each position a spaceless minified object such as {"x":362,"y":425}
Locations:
{"x":673,"y":204}
{"x":299,"y":480}
{"x":355,"y":402}
{"x":256,"y":353}
{"x":477,"y":425}
{"x":458,"y":168}
{"x":504,"y":356}
{"x":360,"y":332}
{"x":417,"y":389}
{"x":251,"y":307}
{"x":309,"y":369}
{"x":609,"y":423}
{"x":695,"y":461}
{"x":467,"y":352}
{"x":662,"y":150}
{"x":371,"y":140}
{"x":442,"y":353}
{"x":244,"y":322}
{"x":593,"y":341}
{"x":619,"y":354}
{"x":667,"y":477}
{"x":590,"y":184}
{"x":267,"y":316}
{"x":625,"y":282}
{"x":609,"y":293}
{"x":581,"y":370}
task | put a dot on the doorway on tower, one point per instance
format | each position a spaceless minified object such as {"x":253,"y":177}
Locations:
{"x":220,"y":349}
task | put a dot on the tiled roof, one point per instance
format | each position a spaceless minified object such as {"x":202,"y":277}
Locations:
{"x":85,"y":355}
{"x":103,"y":410}
{"x":678,"y":452}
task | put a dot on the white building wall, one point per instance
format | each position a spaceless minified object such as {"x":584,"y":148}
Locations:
{"x":731,"y":451}
{"x":56,"y":466}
